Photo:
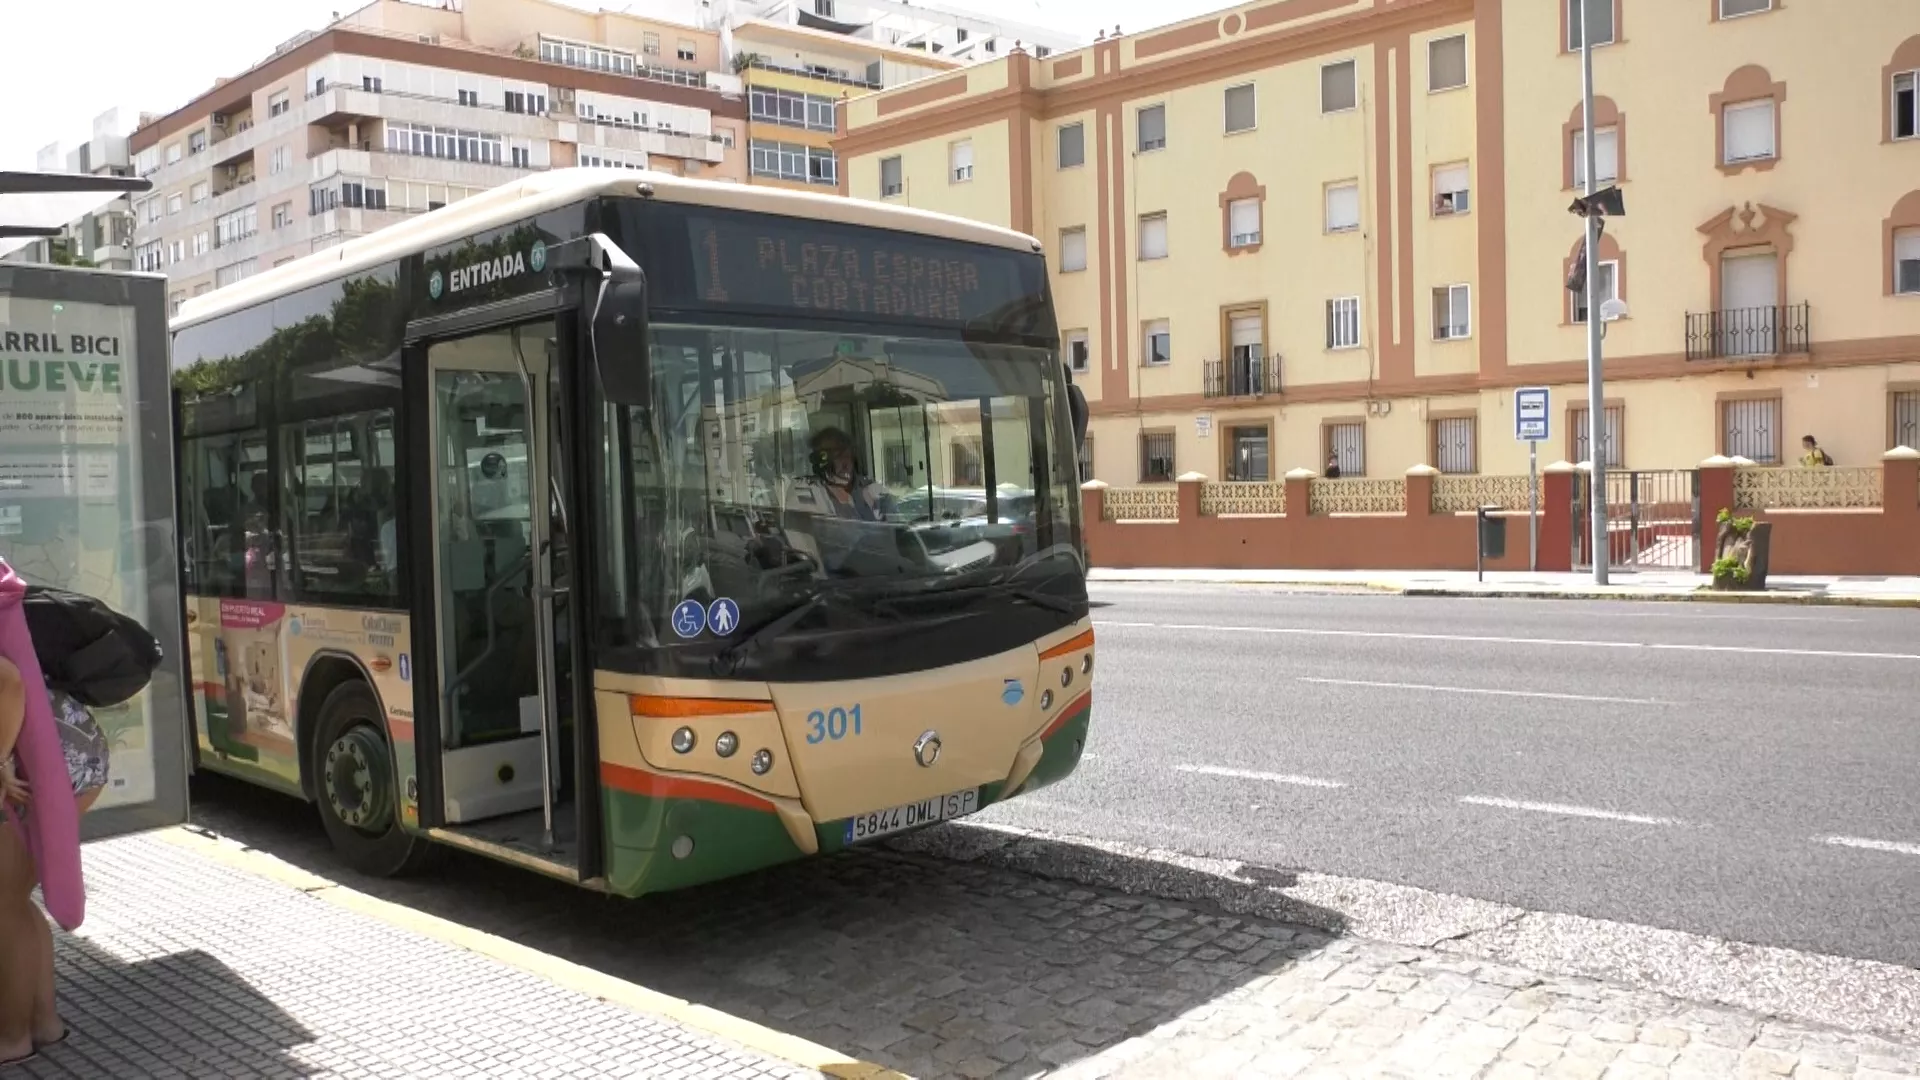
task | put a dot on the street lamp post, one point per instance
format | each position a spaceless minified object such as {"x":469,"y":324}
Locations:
{"x":1596,"y":403}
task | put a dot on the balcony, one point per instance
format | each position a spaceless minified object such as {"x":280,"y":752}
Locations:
{"x":763,"y":64}
{"x":1749,"y":333}
{"x":1242,"y":376}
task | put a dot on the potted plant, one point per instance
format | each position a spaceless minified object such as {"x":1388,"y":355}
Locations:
{"x":1740,"y":554}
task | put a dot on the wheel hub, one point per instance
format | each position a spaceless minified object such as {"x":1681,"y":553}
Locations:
{"x":359,"y":780}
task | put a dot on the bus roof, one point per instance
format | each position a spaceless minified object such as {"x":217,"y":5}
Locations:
{"x":536,"y":194}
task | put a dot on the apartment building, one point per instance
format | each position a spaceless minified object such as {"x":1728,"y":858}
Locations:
{"x":402,"y":107}
{"x":104,"y":237}
{"x":802,"y":58}
{"x":1296,"y":230}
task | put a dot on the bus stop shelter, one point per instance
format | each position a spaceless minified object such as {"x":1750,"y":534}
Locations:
{"x":37,"y":205}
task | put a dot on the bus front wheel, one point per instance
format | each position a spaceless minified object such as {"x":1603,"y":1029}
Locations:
{"x":358,"y":803}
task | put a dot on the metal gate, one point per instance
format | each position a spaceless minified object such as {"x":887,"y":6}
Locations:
{"x":1653,"y":520}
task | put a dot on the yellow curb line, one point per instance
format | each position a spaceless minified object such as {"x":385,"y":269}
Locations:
{"x":565,"y":973}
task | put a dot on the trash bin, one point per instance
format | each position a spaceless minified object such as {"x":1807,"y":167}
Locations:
{"x":1493,"y":534}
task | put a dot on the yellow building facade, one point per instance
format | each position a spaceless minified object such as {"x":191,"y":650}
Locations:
{"x":1302,"y":230}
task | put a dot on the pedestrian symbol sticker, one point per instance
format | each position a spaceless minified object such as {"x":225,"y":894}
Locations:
{"x":406,"y":668}
{"x":723,"y":617}
{"x":688,"y":618}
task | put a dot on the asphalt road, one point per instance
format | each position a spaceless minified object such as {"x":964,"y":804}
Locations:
{"x":1747,"y":773}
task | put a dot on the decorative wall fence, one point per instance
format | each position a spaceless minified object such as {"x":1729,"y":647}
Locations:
{"x":1826,"y":521}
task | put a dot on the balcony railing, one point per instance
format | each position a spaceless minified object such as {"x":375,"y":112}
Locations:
{"x":1738,"y":333}
{"x":764,"y":64}
{"x":1241,"y":377}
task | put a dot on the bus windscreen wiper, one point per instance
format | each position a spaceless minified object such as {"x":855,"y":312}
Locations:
{"x":727,"y":661}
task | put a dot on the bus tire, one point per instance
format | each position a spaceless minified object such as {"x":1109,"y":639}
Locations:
{"x":354,"y":785}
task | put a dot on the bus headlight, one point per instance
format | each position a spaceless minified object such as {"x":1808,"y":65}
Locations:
{"x":683,"y":741}
{"x":1046,"y":700}
{"x":1086,"y":664}
{"x":761,"y":763}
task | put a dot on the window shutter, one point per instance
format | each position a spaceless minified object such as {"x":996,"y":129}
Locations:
{"x":1153,"y":237}
{"x":1447,"y":63}
{"x":1343,"y":207}
{"x":1906,"y":261}
{"x":1153,"y":127}
{"x":1073,"y":249}
{"x":1337,"y":87}
{"x":1243,"y":221}
{"x":1240,"y":108}
{"x":1073,"y":147}
{"x":1245,"y":331}
{"x":1749,"y":131}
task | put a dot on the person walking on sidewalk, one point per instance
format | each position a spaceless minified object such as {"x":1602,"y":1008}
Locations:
{"x":1813,"y":457}
{"x":29,"y":1014}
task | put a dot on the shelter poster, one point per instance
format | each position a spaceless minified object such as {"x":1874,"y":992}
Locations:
{"x":71,"y":507}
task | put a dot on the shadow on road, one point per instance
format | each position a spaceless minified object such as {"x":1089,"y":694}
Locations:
{"x":931,"y":966}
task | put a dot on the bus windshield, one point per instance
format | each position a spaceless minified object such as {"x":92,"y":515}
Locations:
{"x":920,"y":480}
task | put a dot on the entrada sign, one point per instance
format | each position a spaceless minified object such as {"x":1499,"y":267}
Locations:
{"x":487,"y":271}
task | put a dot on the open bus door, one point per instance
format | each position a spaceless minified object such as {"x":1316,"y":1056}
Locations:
{"x":87,"y":503}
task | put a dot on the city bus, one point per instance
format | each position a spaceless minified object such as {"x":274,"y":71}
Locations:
{"x":599,"y":524}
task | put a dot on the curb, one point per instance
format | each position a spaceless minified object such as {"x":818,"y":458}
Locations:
{"x":1701,"y":595}
{"x":577,"y":977}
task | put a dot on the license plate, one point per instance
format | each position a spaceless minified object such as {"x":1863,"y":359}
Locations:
{"x":912,"y":815}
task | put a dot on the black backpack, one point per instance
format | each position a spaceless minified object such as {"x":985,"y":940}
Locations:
{"x":86,"y":648}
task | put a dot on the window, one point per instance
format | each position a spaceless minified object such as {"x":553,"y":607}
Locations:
{"x":1343,"y":322}
{"x":1073,"y":250}
{"x":650,"y":44}
{"x":1598,"y":20}
{"x":1733,"y":9}
{"x":1606,"y":284}
{"x":227,"y":275}
{"x":173,"y":204}
{"x":1156,"y":457}
{"x":685,"y":50}
{"x":891,"y":183}
{"x":1152,"y":123}
{"x":200,"y":192}
{"x":1078,"y":355}
{"x":371,"y":84}
{"x":196,"y":142}
{"x":1240,"y":108}
{"x":1343,"y":207}
{"x":1606,"y":157}
{"x":469,"y":97}
{"x":1751,"y":429}
{"x":283,"y":215}
{"x":525,"y":102}
{"x":1153,"y":236}
{"x":1905,"y":405}
{"x":1347,"y":446}
{"x":1447,"y":63}
{"x":202,"y":243}
{"x":1337,"y":90}
{"x":148,"y":256}
{"x":960,"y":161}
{"x":1070,"y":142}
{"x":1086,"y":459}
{"x":521,"y":156}
{"x":1906,"y":109}
{"x":1450,"y":190}
{"x":281,"y":160}
{"x":1248,"y":458}
{"x":1455,"y":442}
{"x":278,"y":104}
{"x":176,"y":251}
{"x":1450,"y":314}
{"x":781,"y":161}
{"x":824,"y":9}
{"x":236,"y":226}
{"x":1906,"y":262}
{"x":791,"y":108}
{"x":173,"y":153}
{"x":341,"y":524}
{"x":1615,"y":419}
{"x":451,"y":144}
{"x":1749,"y":132}
{"x":226,"y":474}
{"x":1243,"y":223}
{"x":173,"y":303}
{"x":1157,"y":343}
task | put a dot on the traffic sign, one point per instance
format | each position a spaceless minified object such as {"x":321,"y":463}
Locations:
{"x":1532,"y":410}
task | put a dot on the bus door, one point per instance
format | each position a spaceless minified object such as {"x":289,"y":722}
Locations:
{"x":504,"y":668}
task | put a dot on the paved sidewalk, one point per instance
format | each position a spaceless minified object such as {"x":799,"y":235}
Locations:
{"x":1639,"y":585}
{"x":190,"y":968}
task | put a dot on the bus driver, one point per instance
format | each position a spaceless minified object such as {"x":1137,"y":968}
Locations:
{"x":836,"y":485}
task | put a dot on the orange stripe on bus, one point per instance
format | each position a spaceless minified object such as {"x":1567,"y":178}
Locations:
{"x":655,"y":785}
{"x":675,"y":708}
{"x":1084,"y":641}
{"x":1067,"y":712}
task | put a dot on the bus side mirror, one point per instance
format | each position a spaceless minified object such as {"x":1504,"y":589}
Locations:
{"x":618,"y":334}
{"x":1077,"y":406}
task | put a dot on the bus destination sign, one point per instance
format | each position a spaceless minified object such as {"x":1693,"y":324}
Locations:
{"x":852,"y":271}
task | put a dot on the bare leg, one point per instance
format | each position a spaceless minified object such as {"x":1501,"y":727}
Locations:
{"x":19,"y":952}
{"x":46,"y":1025}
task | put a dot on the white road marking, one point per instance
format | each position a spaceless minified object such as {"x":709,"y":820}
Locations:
{"x":1251,"y":774}
{"x":1872,"y":845}
{"x":1564,"y":810}
{"x":1480,"y":690}
{"x":1390,"y":635}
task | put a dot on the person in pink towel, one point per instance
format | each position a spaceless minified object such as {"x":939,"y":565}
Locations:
{"x":29,"y":1016}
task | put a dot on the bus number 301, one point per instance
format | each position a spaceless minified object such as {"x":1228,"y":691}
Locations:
{"x":832,"y":724}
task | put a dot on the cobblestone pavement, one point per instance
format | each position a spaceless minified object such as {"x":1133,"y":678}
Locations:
{"x":186,"y":968}
{"x":942,"y":968}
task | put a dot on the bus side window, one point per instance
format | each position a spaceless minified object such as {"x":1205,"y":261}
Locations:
{"x":226,"y":495}
{"x":340,"y":511}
